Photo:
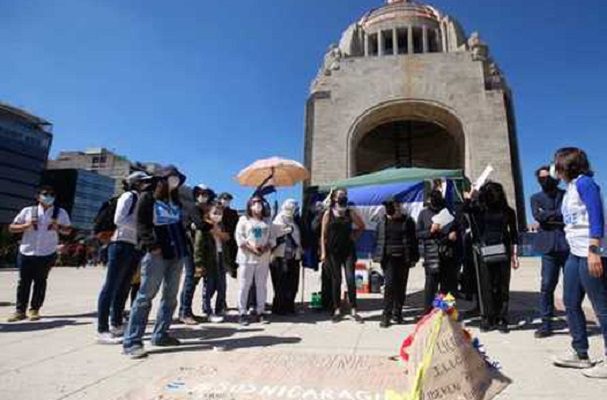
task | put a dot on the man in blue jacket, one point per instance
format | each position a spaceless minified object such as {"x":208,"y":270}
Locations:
{"x":550,"y":242}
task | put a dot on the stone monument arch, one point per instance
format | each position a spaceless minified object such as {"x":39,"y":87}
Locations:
{"x":405,"y":87}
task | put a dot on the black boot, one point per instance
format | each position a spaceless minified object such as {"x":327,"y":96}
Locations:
{"x":385,"y":321}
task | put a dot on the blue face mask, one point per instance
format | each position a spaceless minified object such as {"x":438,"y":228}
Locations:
{"x":47,"y":199}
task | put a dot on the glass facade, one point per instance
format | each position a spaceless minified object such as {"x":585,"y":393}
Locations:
{"x":24,"y":145}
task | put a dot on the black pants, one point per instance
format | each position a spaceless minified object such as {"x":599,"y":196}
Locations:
{"x":396,"y":276}
{"x":285,"y":281}
{"x":335,"y":264}
{"x":32,"y":269}
{"x":495,"y":290}
{"x":442,"y":281}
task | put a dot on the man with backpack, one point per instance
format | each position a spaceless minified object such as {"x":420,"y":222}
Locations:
{"x":40,"y":225}
{"x":118,"y":216}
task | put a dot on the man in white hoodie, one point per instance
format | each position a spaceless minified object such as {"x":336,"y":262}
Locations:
{"x":122,"y":261}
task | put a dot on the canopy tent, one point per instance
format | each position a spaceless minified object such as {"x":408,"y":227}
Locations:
{"x":395,"y":175}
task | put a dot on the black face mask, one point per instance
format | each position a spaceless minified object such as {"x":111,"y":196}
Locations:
{"x":548,"y":183}
{"x":390,"y":209}
{"x":342,"y":201}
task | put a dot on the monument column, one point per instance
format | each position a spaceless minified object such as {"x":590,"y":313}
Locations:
{"x":395,"y":40}
{"x":425,"y":38}
{"x":366,"y":40}
{"x":410,"y":39}
{"x":380,"y":43}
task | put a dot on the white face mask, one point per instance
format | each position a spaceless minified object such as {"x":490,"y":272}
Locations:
{"x":289,"y":212}
{"x":257,"y":208}
{"x":47,"y":200}
{"x":202,"y":199}
{"x":173,"y":182}
{"x":225,"y":203}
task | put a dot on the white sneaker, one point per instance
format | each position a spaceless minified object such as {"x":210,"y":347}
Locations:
{"x":599,"y":371}
{"x":117,"y":331}
{"x":107,"y":338}
{"x":572,"y":360}
{"x":216,"y":319}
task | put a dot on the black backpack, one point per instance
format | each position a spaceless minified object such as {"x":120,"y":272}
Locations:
{"x":104,"y":221}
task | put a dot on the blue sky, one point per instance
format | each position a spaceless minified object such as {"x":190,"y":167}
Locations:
{"x":213,"y":85}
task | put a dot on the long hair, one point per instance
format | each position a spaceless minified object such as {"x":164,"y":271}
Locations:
{"x":492,"y":197}
{"x":264,"y":203}
{"x":572,"y":162}
{"x":334,"y":194}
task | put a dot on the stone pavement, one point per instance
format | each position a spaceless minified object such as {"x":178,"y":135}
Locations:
{"x":57,"y":357}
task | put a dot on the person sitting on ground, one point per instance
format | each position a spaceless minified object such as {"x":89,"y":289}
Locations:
{"x":40,"y":225}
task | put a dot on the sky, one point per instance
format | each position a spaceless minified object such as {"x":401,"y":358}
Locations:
{"x":211,"y":86}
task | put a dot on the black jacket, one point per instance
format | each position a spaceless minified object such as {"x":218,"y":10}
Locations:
{"x":435,"y":245}
{"x":546,"y":210}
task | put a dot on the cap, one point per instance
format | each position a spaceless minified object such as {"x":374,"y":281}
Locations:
{"x":137,"y":176}
{"x":171,"y":170}
{"x":226,"y":196}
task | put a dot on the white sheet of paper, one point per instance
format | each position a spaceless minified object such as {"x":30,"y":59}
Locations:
{"x":443,"y":218}
{"x":483,"y":178}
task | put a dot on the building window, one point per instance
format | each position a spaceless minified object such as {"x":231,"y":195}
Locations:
{"x":418,"y":40}
{"x":433,"y":46}
{"x":373,"y":49}
{"x":388,"y":42}
{"x":403,"y":42}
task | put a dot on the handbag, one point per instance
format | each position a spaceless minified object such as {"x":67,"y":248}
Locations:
{"x":493,"y":254}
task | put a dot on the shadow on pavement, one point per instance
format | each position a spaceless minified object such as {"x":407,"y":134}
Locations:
{"x":39,"y":325}
{"x":6,"y":304}
{"x":91,"y":314}
{"x":229,"y":344}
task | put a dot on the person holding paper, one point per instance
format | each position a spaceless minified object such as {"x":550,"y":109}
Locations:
{"x":496,"y":243}
{"x":438,"y":242}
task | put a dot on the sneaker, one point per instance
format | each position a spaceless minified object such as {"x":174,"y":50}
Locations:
{"x":336,"y":317}
{"x":117,"y":331}
{"x":34,"y":315}
{"x":502,"y":326}
{"x":357,"y":317}
{"x":166,"y":341}
{"x":243,"y":320}
{"x":260,"y":319}
{"x":189,"y":320}
{"x":18,"y":316}
{"x":107,"y":338}
{"x":217,"y":319}
{"x":599,"y":371}
{"x":136,"y":352}
{"x":542,"y":333}
{"x":385,"y":322}
{"x":572,"y":360}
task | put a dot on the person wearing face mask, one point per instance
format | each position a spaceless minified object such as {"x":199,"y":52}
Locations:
{"x":338,"y":249}
{"x":123,"y":261}
{"x":255,"y":239}
{"x":211,"y":255}
{"x":397,"y":250}
{"x":162,"y":236}
{"x":438,"y":243}
{"x":230,"y":220}
{"x":585,"y":270}
{"x":40,"y":226}
{"x":550,"y":242}
{"x":287,"y":255}
{"x":204,"y":198}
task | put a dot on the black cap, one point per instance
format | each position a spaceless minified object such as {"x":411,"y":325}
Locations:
{"x":171,"y":170}
{"x":226,"y":196}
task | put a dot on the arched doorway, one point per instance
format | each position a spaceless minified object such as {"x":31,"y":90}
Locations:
{"x":406,"y":134}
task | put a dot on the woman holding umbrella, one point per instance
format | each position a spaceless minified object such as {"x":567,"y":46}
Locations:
{"x":338,"y":249}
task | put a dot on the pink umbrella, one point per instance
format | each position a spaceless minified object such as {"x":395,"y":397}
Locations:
{"x":273,"y":171}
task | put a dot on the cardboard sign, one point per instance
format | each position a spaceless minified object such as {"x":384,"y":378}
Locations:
{"x":442,"y":364}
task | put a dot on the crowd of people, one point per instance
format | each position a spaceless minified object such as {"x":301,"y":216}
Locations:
{"x":153,"y":240}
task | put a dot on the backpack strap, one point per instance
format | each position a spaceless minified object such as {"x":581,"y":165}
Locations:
{"x":34,"y":215}
{"x":55,"y":214}
{"x":135,"y":198}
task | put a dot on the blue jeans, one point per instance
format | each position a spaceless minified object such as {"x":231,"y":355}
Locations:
{"x":155,"y":271}
{"x":189,"y":287}
{"x":120,"y":260}
{"x":215,"y":284}
{"x":578,"y":283}
{"x":552,"y":264}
